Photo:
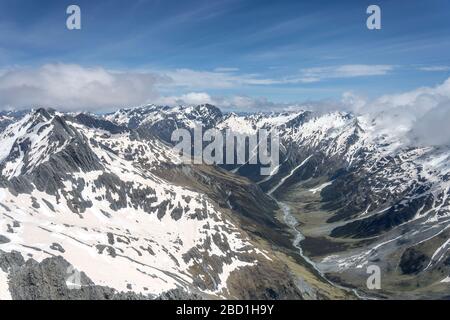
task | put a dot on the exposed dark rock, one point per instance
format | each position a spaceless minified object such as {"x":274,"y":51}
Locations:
{"x":111,"y":250}
{"x":179,"y":294}
{"x":110,"y":238}
{"x":4,"y":239}
{"x":177,"y":212}
{"x":413,"y":261}
{"x":95,"y":122}
{"x":57,"y":247}
{"x":48,"y":280}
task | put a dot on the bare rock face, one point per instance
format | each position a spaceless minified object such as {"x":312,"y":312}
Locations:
{"x":47,"y":280}
{"x":179,"y":294}
{"x":3,"y":239}
{"x":122,"y":195}
{"x":413,"y":261}
{"x":114,"y":185}
{"x":51,"y":280}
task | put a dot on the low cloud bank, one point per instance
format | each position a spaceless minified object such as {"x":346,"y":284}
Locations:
{"x":421,"y":115}
{"x":72,"y":87}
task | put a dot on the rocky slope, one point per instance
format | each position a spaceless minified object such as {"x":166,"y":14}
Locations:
{"x":110,"y":196}
{"x":114,"y":202}
{"x":364,"y":193}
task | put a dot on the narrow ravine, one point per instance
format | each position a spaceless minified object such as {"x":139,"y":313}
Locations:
{"x":291,"y":221}
{"x":283,"y":180}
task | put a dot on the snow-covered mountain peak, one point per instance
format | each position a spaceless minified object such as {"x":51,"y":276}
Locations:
{"x":110,"y":191}
{"x":97,"y":194}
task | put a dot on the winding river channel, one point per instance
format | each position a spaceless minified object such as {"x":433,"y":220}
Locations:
{"x":291,"y":221}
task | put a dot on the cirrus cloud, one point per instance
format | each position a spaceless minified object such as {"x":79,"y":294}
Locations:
{"x":74,"y":87}
{"x":343,"y":71}
{"x":435,"y":68}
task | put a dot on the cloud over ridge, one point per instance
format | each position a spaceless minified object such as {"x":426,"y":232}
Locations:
{"x":68,"y":87}
{"x":71,"y":86}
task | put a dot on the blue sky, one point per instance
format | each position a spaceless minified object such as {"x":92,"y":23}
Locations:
{"x":270,"y":51}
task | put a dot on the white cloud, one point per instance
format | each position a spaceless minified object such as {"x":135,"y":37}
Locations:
{"x":418,"y":101}
{"x":72,"y":87}
{"x":194,"y":79}
{"x":433,"y":127}
{"x":343,"y":71}
{"x":429,"y":108}
{"x":246,"y":103}
{"x":226,"y":69}
{"x":435,"y":68}
{"x":224,"y":78}
{"x":420,"y":116}
{"x":232,"y":102}
{"x":191,"y":98}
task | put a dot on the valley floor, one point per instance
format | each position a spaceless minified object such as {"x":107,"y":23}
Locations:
{"x":302,"y":213}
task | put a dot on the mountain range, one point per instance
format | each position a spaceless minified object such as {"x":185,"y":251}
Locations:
{"x":107,"y":201}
